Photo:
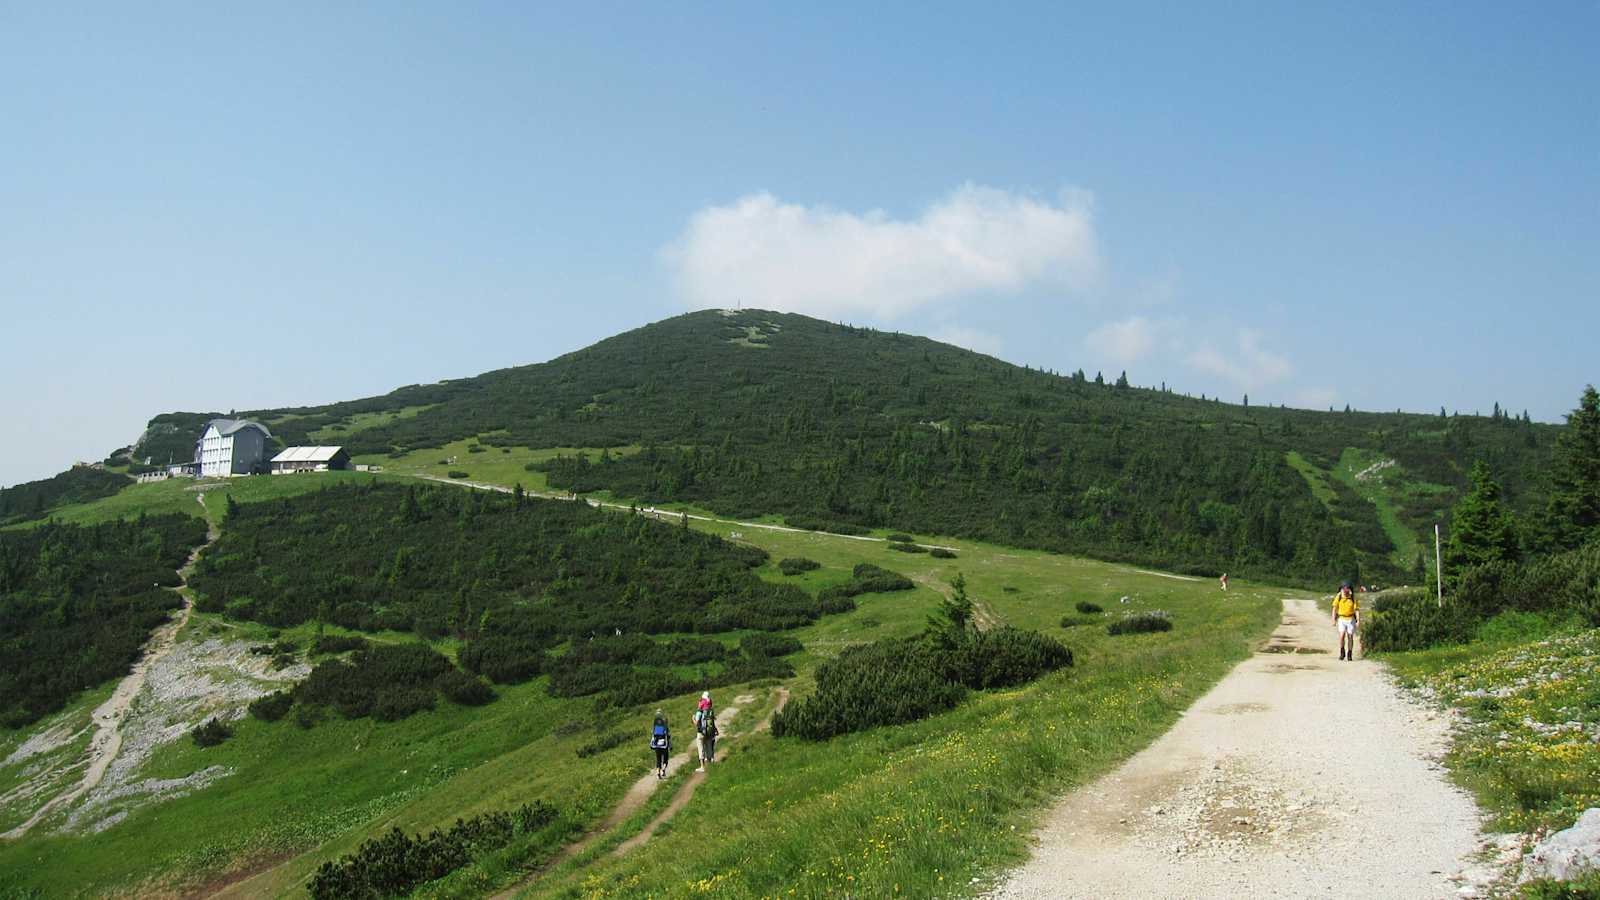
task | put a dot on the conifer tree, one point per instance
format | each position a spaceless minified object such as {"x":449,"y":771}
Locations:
{"x":1481,"y":531}
{"x":1574,"y":510}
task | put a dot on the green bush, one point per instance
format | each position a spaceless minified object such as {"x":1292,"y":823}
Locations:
{"x":894,"y":681}
{"x":887,"y":682}
{"x":463,"y":689}
{"x":941,"y":553}
{"x":796,"y":565}
{"x":1141,"y":623}
{"x":457,"y":473}
{"x":1075,"y":621}
{"x":603,"y":743}
{"x":1413,"y":620}
{"x":772,"y":645}
{"x":907,"y":548}
{"x":807,"y":523}
{"x":212,"y":733}
{"x":1087,"y":608}
{"x":395,"y":864}
{"x":1004,"y":657}
{"x":272,"y":707}
{"x":386,"y":681}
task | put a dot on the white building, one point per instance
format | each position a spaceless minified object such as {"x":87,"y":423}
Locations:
{"x":310,"y":459}
{"x":232,"y":447}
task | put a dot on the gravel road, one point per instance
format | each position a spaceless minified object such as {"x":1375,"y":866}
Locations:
{"x":1296,"y":776}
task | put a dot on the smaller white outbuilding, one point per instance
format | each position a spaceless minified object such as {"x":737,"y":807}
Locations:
{"x":309,"y":459}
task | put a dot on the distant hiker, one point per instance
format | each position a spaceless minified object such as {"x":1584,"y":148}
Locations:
{"x":661,"y":742}
{"x":1224,"y":582}
{"x":705,"y":731}
{"x":1346,"y":618}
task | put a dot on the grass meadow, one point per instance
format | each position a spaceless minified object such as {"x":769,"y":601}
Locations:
{"x":918,"y":810}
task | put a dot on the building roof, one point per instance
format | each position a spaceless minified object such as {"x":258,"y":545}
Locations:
{"x":226,"y":427}
{"x":307,"y":454}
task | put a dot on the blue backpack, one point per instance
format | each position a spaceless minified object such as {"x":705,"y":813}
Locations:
{"x":659,"y":739}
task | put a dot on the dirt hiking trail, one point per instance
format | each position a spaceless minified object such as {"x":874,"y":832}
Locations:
{"x":108,"y":716}
{"x":636,"y":797}
{"x":1298,"y":775}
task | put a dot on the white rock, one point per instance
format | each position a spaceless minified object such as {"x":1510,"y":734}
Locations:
{"x":1562,"y":855}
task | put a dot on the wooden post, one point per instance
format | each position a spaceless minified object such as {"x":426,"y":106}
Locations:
{"x":1438,"y":564}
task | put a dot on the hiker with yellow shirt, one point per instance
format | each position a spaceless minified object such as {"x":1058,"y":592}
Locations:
{"x":1346,"y":618}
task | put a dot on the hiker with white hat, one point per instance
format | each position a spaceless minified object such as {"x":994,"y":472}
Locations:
{"x":705,"y":730}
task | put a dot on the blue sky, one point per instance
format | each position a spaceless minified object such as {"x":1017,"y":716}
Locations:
{"x":1391,"y":207}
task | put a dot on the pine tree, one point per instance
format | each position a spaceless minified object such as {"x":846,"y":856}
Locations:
{"x":1122,"y":380}
{"x":1099,"y":378}
{"x":1574,"y":510}
{"x":948,"y":627}
{"x":1481,"y":530}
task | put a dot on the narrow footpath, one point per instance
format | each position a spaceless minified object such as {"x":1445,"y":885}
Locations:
{"x":108,"y":716}
{"x":643,"y":789}
{"x":1298,"y":775}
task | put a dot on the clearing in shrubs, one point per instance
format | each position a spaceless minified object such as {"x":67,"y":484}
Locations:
{"x":1141,"y":623}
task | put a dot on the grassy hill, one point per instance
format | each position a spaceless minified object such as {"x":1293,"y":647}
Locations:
{"x":929,"y":805}
{"x":751,"y":412}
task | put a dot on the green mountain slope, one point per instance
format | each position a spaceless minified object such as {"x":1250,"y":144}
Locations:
{"x":757,"y":412}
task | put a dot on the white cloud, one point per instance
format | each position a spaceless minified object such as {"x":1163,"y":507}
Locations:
{"x":1249,"y":365}
{"x":760,"y":251}
{"x":1122,"y":342}
{"x":970,"y":338}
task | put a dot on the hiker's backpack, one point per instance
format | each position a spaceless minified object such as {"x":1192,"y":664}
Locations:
{"x":708,"y":723}
{"x":660,"y":740}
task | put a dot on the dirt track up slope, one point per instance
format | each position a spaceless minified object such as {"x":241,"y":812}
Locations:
{"x":108,"y":716}
{"x":1298,"y":775}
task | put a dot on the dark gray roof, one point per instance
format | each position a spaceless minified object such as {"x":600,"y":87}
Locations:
{"x":226,"y":427}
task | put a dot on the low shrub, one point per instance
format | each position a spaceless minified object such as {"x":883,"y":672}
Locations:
{"x":272,"y":707}
{"x":907,"y":548}
{"x":504,"y":658}
{"x":808,"y":523}
{"x":1141,"y":623}
{"x":1004,"y":657}
{"x":395,"y":864}
{"x":1413,"y":620}
{"x":474,"y":448}
{"x":386,"y":681}
{"x":773,"y":645}
{"x":942,"y":553}
{"x":1075,"y":621}
{"x":463,"y":689}
{"x":212,"y":733}
{"x":869,"y":579}
{"x":457,"y":473}
{"x":796,"y":565}
{"x":603,"y":743}
{"x":888,"y":682}
{"x":1088,"y":608}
